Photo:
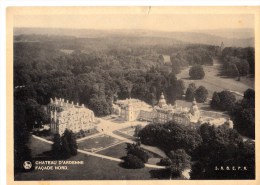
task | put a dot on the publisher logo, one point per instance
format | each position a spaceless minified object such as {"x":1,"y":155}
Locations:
{"x":27,"y":165}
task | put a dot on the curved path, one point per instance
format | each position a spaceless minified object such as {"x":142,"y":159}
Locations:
{"x":149,"y":148}
{"x":99,"y":155}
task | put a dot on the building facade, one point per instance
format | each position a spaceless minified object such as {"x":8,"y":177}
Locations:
{"x":134,"y":109}
{"x":130,"y":109}
{"x":64,"y":115}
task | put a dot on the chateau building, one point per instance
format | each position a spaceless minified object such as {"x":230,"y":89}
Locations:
{"x":134,"y":109}
{"x":130,"y":109}
{"x":64,"y":115}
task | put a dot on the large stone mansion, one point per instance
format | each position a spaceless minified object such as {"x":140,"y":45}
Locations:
{"x":134,"y":109}
{"x":64,"y":115}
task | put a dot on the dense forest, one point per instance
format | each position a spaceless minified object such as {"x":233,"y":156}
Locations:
{"x":96,"y":77}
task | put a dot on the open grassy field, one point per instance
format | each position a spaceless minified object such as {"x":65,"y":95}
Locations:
{"x":213,"y":82}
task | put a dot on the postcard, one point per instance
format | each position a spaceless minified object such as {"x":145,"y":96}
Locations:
{"x":132,"y":95}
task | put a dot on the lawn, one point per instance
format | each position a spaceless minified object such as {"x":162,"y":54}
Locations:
{"x":116,"y":151}
{"x":97,"y":143}
{"x":94,"y":168}
{"x":38,"y":147}
{"x":213,"y":82}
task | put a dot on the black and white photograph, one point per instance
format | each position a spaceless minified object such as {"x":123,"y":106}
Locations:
{"x":135,"y":95}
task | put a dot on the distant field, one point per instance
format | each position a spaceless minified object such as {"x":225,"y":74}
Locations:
{"x":213,"y":82}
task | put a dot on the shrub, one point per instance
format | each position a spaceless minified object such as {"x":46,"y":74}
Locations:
{"x":135,"y":150}
{"x":165,"y":161}
{"x":197,"y":72}
{"x":133,"y":162}
{"x":201,"y":94}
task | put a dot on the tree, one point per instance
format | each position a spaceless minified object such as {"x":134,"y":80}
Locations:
{"x":66,"y":153}
{"x":148,"y":134}
{"x":249,"y":99}
{"x":197,"y":72}
{"x":133,"y":162}
{"x":175,"y":88}
{"x":180,"y":161}
{"x":21,"y":137}
{"x":227,"y":100}
{"x":215,"y":102}
{"x":170,"y":136}
{"x":224,"y":100}
{"x":201,"y":94}
{"x":100,"y":106}
{"x":243,"y":114}
{"x":232,"y":70}
{"x":165,"y":161}
{"x":57,"y":146}
{"x":221,"y":146}
{"x":136,"y":157}
{"x":71,"y":139}
{"x":176,"y":64}
{"x":138,"y":128}
{"x":135,"y":150}
{"x":190,"y":92}
{"x":65,"y":146}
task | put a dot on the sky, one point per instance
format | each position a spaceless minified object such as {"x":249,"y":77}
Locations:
{"x":163,"y":22}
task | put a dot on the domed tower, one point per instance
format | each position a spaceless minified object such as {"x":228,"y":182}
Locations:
{"x":162,"y":101}
{"x":194,"y":109}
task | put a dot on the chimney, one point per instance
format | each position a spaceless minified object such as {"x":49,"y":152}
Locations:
{"x":51,"y":100}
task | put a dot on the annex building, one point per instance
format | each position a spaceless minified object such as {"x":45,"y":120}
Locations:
{"x":134,"y":109}
{"x":64,"y":115}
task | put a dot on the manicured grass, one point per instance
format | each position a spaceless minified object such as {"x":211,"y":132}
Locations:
{"x":117,"y":151}
{"x":94,"y":168}
{"x":97,"y":142}
{"x":38,"y":147}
